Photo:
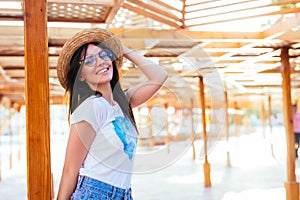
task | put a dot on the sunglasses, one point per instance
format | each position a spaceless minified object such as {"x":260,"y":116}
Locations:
{"x":90,"y":60}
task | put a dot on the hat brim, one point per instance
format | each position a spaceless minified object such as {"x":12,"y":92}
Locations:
{"x":83,"y":37}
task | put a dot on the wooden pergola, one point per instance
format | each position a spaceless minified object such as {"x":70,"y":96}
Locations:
{"x":261,"y":65}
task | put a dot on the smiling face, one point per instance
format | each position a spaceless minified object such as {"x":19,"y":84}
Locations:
{"x":97,"y":68}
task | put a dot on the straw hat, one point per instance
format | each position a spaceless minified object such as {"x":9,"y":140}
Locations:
{"x":86,"y":36}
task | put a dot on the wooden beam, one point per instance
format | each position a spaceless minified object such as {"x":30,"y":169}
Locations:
{"x":183,"y":13}
{"x":291,"y":185}
{"x":151,"y":15}
{"x":113,"y":11}
{"x":37,"y":100}
{"x":77,"y":20}
{"x":147,"y":33}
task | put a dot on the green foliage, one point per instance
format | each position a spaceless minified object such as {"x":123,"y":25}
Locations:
{"x":286,"y":6}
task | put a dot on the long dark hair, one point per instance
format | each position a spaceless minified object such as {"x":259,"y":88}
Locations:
{"x":77,"y":91}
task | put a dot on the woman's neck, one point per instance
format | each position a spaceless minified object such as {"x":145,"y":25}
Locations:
{"x":106,"y":92}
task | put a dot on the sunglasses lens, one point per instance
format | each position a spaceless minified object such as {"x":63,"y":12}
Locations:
{"x":105,"y":53}
{"x":90,"y":60}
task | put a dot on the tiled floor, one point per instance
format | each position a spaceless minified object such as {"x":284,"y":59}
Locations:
{"x":254,"y":172}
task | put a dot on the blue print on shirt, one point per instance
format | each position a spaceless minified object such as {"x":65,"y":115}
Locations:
{"x":129,"y":140}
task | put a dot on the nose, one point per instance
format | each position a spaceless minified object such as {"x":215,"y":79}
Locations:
{"x":99,"y":60}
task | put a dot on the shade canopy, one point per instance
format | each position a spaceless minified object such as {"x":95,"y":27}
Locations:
{"x":234,"y":45}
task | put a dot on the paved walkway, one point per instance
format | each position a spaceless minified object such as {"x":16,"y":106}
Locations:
{"x":254,"y":172}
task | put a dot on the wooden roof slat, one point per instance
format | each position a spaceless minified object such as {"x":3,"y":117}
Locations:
{"x":256,"y":59}
{"x":108,"y":3}
{"x":220,"y":4}
{"x":218,"y":59}
{"x":20,"y":73}
{"x":3,"y":74}
{"x":238,"y":9}
{"x":13,"y":60}
{"x":19,"y":61}
{"x":281,"y":12}
{"x":242,"y":58}
{"x":256,"y":50}
{"x":167,"y":6}
{"x":70,"y":11}
{"x":11,"y":16}
{"x":200,"y":3}
{"x":154,"y":9}
{"x":10,"y":10}
{"x":11,"y":51}
{"x":84,"y":13}
{"x":14,"y":1}
{"x":151,"y":15}
{"x":11,"y":41}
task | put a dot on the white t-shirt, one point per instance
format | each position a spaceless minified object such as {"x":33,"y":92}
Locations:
{"x":110,"y":158}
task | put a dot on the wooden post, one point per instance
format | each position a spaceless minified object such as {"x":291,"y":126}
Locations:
{"x":291,"y":185}
{"x":228,"y":162}
{"x":168,"y":135}
{"x":149,"y":122}
{"x":10,"y":137}
{"x":17,"y":107}
{"x":206,"y":165}
{"x":263,"y":119}
{"x":236,"y":120}
{"x":140,"y":139}
{"x":37,"y":100}
{"x":193,"y":130}
{"x":270,"y":123}
{"x":1,"y":132}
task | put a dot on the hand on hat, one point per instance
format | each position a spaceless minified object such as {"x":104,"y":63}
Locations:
{"x":126,"y":51}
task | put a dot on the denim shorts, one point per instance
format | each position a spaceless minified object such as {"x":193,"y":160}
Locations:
{"x":88,"y":188}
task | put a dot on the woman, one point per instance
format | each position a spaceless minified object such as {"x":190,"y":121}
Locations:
{"x":103,"y":134}
{"x":296,"y":128}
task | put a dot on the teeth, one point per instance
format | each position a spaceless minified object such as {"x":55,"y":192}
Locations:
{"x":103,"y":70}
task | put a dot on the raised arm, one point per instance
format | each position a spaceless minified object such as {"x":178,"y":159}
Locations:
{"x":156,"y":76}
